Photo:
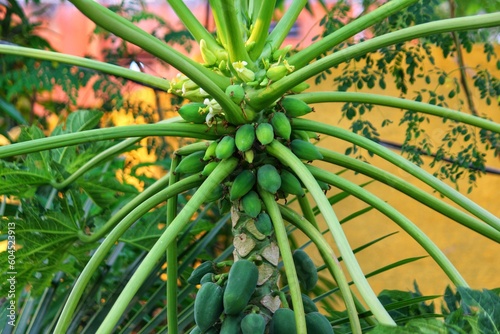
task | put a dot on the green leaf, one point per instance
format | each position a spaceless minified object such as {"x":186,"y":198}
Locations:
{"x":104,"y":192}
{"x":487,"y":306}
{"x":416,"y":326}
{"x":21,"y":183}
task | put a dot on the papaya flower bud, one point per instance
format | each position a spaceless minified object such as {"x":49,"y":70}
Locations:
{"x":244,"y":73}
{"x":208,"y":56}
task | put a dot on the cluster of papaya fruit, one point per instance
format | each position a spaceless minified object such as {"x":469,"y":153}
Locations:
{"x":248,"y":143}
{"x":224,"y":305}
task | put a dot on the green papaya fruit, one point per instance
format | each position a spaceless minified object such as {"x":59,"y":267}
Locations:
{"x":195,"y":112}
{"x":295,"y":107}
{"x":264,"y":224}
{"x":281,"y":125}
{"x":245,"y":137}
{"x":253,"y":323}
{"x":265,"y":133}
{"x":269,"y":178}
{"x":251,"y":204}
{"x":225,"y":148}
{"x":208,"y":305}
{"x":305,"y":150}
{"x":306,"y":270}
{"x":317,"y":323}
{"x":283,"y":322}
{"x":240,"y":286}
{"x":242,"y":184}
{"x":192,"y":163}
{"x":290,"y":184}
{"x":200,"y":271}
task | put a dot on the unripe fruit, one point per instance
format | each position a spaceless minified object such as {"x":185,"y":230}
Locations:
{"x":300,"y":87}
{"x":241,"y":284}
{"x":265,"y":133}
{"x":295,"y":107}
{"x":253,"y":323}
{"x":190,"y":164}
{"x":210,"y":151}
{"x":208,"y":305}
{"x":250,"y":204}
{"x":263,"y":224}
{"x":195,"y":112}
{"x":306,"y":270}
{"x":318,"y":323}
{"x":281,"y":125}
{"x":209,"y":168}
{"x":236,"y":93}
{"x":305,"y":150}
{"x":275,"y":73}
{"x":283,"y":322}
{"x":225,"y":148}
{"x":215,"y":195}
{"x":242,"y":184}
{"x":290,"y":184}
{"x":269,"y":178}
{"x":200,"y":271}
{"x":245,"y":137}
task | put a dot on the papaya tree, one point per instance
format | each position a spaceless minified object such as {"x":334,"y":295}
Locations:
{"x":254,"y":154}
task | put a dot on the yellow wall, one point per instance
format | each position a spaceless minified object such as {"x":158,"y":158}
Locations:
{"x":473,"y":255}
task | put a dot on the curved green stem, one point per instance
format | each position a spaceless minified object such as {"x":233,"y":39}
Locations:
{"x":289,"y":159}
{"x":286,"y":254}
{"x":399,"y":161}
{"x":220,"y":24}
{"x":193,"y":25}
{"x":307,"y":211}
{"x":280,"y":87}
{"x":395,"y":216}
{"x":235,"y":46}
{"x":410,"y":190}
{"x":156,"y":187}
{"x":101,"y":157}
{"x":330,"y":259}
{"x":172,"y":270}
{"x":303,"y":57}
{"x":223,"y":169}
{"x":139,"y":77}
{"x":103,"y":249}
{"x":282,"y":28}
{"x":181,"y":129}
{"x":211,"y":82}
{"x":396,"y":102}
{"x":260,"y":28}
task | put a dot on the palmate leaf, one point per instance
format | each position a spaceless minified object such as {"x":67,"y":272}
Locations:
{"x":486,"y":305}
{"x":20,"y":183}
{"x":45,"y":245}
{"x":144,"y":233}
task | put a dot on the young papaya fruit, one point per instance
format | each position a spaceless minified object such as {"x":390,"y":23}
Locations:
{"x":275,"y":73}
{"x":236,"y":93}
{"x":283,"y":322}
{"x":231,"y":324}
{"x":200,"y":271}
{"x":215,"y":195}
{"x":208,"y":277}
{"x":269,"y":178}
{"x":281,"y":125}
{"x":305,"y":150}
{"x":307,"y":302}
{"x":250,"y":204}
{"x":208,"y":305}
{"x":290,"y":184}
{"x":210,"y":151}
{"x":263,"y":224}
{"x":245,"y":137}
{"x":242,"y":184}
{"x":295,"y":107}
{"x":209,"y":168}
{"x":195,"y":112}
{"x":318,"y":323}
{"x":253,"y":323}
{"x":306,"y":270}
{"x":225,"y":148}
{"x":240,"y":286}
{"x":192,"y":163}
{"x":265,"y":133}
